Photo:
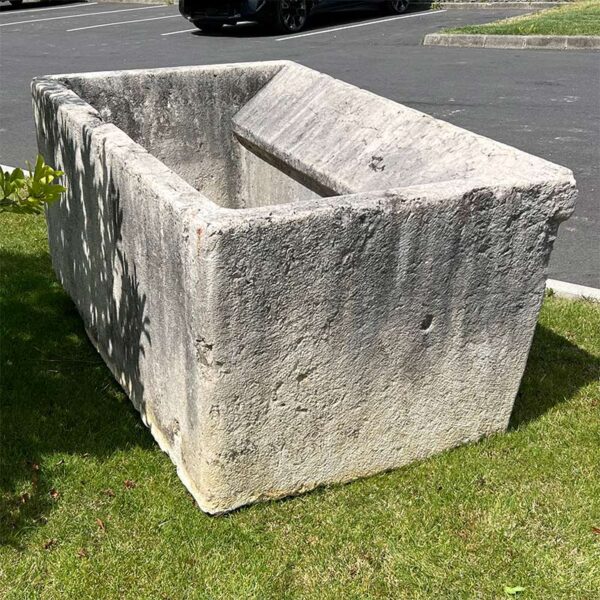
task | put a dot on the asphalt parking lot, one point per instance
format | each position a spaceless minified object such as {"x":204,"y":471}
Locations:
{"x":543,"y":102}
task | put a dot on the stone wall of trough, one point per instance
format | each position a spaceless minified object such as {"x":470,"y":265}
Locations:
{"x":296,"y":281}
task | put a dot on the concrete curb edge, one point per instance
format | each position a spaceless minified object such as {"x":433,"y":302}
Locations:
{"x":572,"y":291}
{"x":153,"y":2}
{"x":514,"y":42}
{"x":490,"y":5}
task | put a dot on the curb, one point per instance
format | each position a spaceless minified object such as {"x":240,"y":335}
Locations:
{"x":562,"y":289}
{"x":492,"y":5}
{"x":154,"y":2}
{"x":516,"y":42}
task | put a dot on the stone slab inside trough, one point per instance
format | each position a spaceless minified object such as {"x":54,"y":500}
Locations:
{"x":297,"y":282}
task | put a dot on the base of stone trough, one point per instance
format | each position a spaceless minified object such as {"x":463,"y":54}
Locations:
{"x":297,"y":282}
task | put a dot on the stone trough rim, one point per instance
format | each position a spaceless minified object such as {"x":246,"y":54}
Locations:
{"x":162,"y":175}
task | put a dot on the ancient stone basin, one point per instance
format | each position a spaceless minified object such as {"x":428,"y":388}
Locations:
{"x":297,"y":282}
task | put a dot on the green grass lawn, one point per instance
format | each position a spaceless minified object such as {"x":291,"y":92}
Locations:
{"x":91,"y":508}
{"x":580,"y":18}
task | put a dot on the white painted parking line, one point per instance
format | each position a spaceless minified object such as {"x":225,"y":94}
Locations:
{"x":13,"y":13}
{"x":365,"y":24}
{"x":196,"y":29}
{"x":178,"y":16}
{"x":180,"y":31}
{"x":80,"y":15}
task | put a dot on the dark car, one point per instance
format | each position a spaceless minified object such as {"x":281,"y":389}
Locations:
{"x":288,"y":16}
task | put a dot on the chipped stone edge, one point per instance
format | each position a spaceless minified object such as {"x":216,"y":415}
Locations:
{"x":515,"y":42}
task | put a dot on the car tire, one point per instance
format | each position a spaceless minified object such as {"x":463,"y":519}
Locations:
{"x":291,"y":15}
{"x":208,"y":27}
{"x":16,"y":2}
{"x":396,"y":7}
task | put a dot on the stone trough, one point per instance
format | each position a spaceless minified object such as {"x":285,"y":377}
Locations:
{"x":297,"y":282}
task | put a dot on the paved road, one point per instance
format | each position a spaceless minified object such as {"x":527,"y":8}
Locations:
{"x":544,"y":102}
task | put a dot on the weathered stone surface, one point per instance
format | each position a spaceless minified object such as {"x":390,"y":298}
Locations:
{"x":297,"y":282}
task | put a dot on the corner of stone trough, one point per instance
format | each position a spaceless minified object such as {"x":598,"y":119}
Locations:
{"x":297,"y":282}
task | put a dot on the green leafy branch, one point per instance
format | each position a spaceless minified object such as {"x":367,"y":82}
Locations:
{"x":28,"y":194}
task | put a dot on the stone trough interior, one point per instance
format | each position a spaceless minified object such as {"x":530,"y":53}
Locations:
{"x":250,"y":137}
{"x":186,"y":122}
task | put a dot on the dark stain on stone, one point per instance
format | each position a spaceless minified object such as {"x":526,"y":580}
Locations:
{"x":376,"y":164}
{"x":426,"y":323}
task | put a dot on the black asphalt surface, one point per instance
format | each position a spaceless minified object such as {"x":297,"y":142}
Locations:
{"x":543,"y":102}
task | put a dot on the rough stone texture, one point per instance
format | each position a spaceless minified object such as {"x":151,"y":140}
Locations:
{"x":297,"y":282}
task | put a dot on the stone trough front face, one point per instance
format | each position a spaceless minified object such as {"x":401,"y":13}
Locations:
{"x":297,"y":282}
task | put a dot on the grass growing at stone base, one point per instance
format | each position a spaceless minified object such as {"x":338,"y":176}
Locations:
{"x":580,"y":18}
{"x":91,"y":508}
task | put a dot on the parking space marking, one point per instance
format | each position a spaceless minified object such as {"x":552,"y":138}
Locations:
{"x":365,"y":24}
{"x":180,"y":31}
{"x":177,"y":16}
{"x":32,"y":10}
{"x":79,"y":15}
{"x":196,"y":29}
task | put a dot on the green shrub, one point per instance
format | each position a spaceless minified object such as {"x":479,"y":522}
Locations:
{"x":27,"y":194}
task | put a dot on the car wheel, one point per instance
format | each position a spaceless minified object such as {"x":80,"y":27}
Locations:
{"x":396,"y":7}
{"x":208,"y":26}
{"x":291,"y":15}
{"x":16,"y":2}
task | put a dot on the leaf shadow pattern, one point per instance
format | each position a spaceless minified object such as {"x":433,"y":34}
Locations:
{"x":93,"y":266}
{"x":58,"y":396}
{"x":556,"y":370}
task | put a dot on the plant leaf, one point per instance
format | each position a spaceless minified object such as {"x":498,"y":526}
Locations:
{"x":513,"y":591}
{"x":29,"y":194}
